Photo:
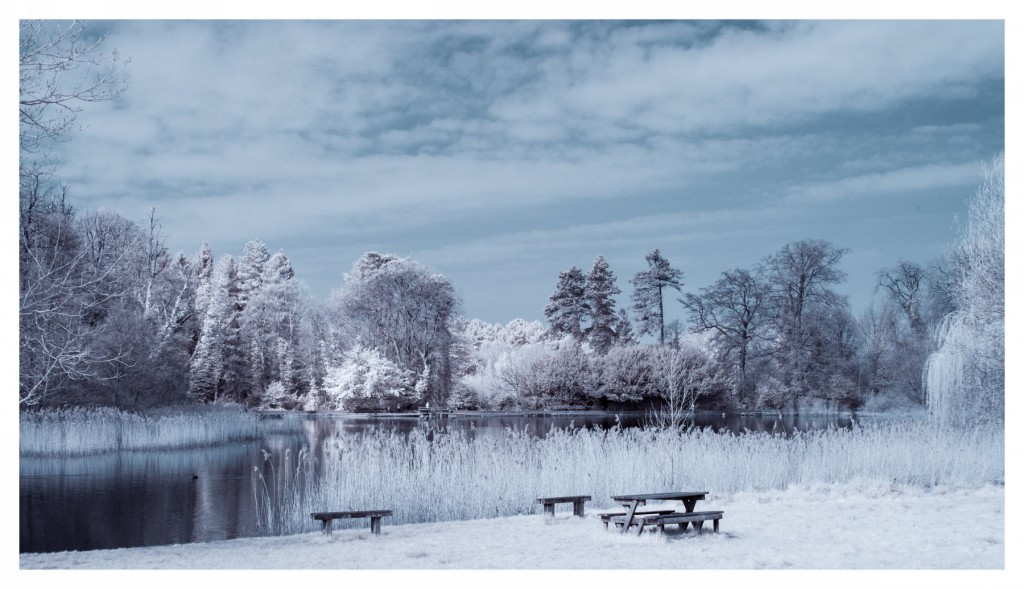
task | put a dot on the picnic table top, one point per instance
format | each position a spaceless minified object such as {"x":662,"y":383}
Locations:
{"x":673,"y":495}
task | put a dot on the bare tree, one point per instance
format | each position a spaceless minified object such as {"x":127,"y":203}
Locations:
{"x":799,"y":277}
{"x":904,"y":284}
{"x":683,"y":376}
{"x":735,"y":309}
{"x":61,"y":68}
{"x":62,"y":300}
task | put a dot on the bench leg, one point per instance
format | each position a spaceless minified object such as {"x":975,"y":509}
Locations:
{"x":577,"y":508}
{"x":327,"y":526}
{"x":375,"y":525}
{"x":683,"y":526}
{"x":549,"y":509}
{"x":716,"y":526}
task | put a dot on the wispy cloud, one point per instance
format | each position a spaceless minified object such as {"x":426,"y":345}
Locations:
{"x":888,"y":183}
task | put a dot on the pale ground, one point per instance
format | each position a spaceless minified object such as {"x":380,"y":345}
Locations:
{"x":826,"y":527}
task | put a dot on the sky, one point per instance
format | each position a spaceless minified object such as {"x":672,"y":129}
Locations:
{"x":501,"y":152}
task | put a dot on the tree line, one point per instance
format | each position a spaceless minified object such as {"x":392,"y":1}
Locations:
{"x":778,"y":334}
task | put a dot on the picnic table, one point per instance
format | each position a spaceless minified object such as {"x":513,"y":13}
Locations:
{"x":631,"y":502}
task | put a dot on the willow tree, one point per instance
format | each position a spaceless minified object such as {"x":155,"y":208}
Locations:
{"x":965,"y":377}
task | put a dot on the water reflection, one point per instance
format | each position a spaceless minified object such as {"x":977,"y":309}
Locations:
{"x":126,"y":499}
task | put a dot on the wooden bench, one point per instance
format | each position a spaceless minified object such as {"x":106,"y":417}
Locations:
{"x":576,"y":500}
{"x":697,"y":518}
{"x":326,"y":517}
{"x":606,"y":517}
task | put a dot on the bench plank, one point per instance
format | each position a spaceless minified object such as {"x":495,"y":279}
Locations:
{"x":566,"y":499}
{"x":325,"y":515}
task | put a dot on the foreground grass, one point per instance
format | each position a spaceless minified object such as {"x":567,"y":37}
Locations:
{"x":834,"y":527}
{"x":75,"y":432}
{"x":431,"y":475}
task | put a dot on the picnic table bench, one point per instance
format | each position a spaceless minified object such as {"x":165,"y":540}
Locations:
{"x":659,"y":519}
{"x":327,"y":517}
{"x":607,"y":517}
{"x":697,"y":518}
{"x":576,"y":500}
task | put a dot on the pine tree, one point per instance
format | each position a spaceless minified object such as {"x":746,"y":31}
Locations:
{"x":250,"y":270}
{"x":648,"y":294}
{"x":624,"y":330}
{"x":568,"y":307}
{"x":203,"y":279}
{"x":274,"y":317}
{"x":207,"y":367}
{"x":599,"y":294}
{"x":236,"y":379}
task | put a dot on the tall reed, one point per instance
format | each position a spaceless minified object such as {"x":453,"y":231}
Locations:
{"x":77,"y":431}
{"x":439,"y":475}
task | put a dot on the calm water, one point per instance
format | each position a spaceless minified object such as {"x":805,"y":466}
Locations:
{"x":128,"y":499}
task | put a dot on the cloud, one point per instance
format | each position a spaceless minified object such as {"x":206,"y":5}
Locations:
{"x":890,"y":182}
{"x":742,"y":77}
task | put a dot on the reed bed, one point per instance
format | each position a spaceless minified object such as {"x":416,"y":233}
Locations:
{"x":438,"y":475}
{"x":78,"y":431}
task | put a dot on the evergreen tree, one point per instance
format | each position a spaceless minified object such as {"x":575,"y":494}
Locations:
{"x":235,"y":378}
{"x":207,"y":365}
{"x":258,"y":355}
{"x":648,"y":294}
{"x":599,"y":294}
{"x":218,"y":369}
{"x":250,"y":270}
{"x":203,"y":278}
{"x":273,"y":317}
{"x":624,"y":330}
{"x":568,"y":307}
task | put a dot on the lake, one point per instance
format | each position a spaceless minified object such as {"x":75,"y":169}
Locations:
{"x":147,"y":498}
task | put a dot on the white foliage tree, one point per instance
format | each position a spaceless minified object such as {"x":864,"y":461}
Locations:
{"x":366,"y":380}
{"x":403,"y":310}
{"x":965,"y":377}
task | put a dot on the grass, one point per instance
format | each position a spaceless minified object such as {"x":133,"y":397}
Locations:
{"x":77,"y":432}
{"x":438,"y":475}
